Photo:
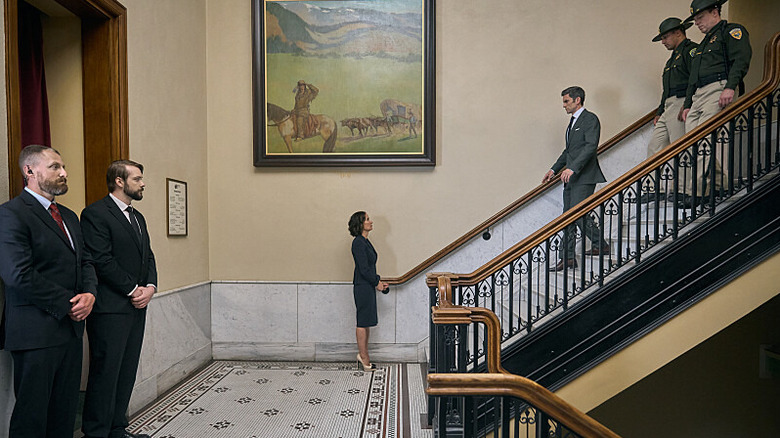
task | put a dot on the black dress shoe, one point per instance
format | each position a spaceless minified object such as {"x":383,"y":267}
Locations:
{"x":644,"y":199}
{"x":604,"y":250}
{"x":571,"y":263}
{"x":675,"y":197}
{"x":687,"y":201}
{"x":651,"y":197}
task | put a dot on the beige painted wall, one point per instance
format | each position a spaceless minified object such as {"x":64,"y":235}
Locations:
{"x":501,"y":65}
{"x":167,"y":99}
{"x":499,"y":125}
{"x":760,"y":16}
{"x":676,"y":337}
{"x":62,"y":61}
{"x":717,"y":376}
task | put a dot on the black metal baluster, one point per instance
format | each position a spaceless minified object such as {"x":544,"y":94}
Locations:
{"x":675,"y":206}
{"x":619,"y":250}
{"x":657,"y":205}
{"x":767,"y":118}
{"x":731,"y":154}
{"x":776,"y":104}
{"x":638,"y":230}
{"x":529,"y":315}
{"x":505,"y":416}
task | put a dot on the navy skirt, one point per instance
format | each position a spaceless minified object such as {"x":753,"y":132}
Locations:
{"x":365,"y":305}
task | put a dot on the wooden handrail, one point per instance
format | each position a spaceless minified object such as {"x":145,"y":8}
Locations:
{"x":498,"y":381}
{"x":767,"y":86}
{"x":508,"y":385}
{"x":511,"y":208}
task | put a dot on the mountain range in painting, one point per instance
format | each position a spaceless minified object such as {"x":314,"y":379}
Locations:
{"x":303,"y":28}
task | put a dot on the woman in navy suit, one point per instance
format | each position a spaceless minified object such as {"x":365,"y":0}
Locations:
{"x":365,"y":283}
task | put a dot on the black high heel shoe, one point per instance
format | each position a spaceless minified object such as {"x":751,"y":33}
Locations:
{"x":369,"y":367}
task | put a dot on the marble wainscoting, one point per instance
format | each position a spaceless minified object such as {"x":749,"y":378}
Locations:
{"x":176,"y":343}
{"x":289,"y":321}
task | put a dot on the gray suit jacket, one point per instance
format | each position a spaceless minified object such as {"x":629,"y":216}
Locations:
{"x":580,"y":153}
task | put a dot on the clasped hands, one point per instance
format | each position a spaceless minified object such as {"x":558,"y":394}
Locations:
{"x":141,"y":296}
{"x":81,"y":306}
{"x":382,"y":286}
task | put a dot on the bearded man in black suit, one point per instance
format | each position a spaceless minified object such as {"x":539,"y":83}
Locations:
{"x":116,"y":235}
{"x":581,"y":174}
{"x":50,"y":289}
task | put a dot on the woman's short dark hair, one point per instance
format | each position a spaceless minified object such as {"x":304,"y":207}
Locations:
{"x":356,"y":223}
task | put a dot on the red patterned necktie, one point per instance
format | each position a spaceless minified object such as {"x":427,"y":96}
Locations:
{"x":55,"y":213}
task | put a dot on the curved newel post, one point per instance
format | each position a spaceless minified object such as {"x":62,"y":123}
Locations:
{"x":497,"y":381}
{"x":445,"y":312}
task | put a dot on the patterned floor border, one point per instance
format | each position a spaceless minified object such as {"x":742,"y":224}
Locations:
{"x":383,"y":414}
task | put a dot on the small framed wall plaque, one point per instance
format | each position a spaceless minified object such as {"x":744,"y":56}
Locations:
{"x":177,"y":207}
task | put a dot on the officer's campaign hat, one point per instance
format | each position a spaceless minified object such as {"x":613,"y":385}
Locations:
{"x":701,"y":5}
{"x":670,"y":24}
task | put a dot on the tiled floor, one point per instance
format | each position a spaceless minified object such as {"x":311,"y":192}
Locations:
{"x":284,"y":399}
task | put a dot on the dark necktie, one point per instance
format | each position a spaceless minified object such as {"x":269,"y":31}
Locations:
{"x":55,"y":214}
{"x":568,"y":129}
{"x":133,"y":220}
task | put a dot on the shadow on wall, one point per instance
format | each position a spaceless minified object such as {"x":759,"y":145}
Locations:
{"x":387,"y":258}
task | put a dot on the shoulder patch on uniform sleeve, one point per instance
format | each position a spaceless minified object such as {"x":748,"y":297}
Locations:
{"x":692,"y":52}
{"x":736,"y":33}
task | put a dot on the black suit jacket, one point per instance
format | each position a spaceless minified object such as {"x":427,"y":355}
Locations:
{"x":580,"y":153}
{"x":42,"y":272}
{"x":365,"y":257}
{"x":122,"y":260}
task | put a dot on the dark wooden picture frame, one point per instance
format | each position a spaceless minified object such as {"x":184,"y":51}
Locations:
{"x":368,"y":69}
{"x":176,"y":212}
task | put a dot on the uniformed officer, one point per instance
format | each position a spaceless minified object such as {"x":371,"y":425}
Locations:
{"x":719,"y":66}
{"x":668,"y":122}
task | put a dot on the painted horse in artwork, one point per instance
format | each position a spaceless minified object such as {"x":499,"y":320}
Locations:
{"x":324,"y":126}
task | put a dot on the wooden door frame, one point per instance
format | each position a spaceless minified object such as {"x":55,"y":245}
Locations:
{"x":104,"y":72}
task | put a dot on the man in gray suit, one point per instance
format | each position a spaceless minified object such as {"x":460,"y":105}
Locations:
{"x":580,"y":172}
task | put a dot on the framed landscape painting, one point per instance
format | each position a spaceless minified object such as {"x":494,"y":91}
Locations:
{"x":343,"y":83}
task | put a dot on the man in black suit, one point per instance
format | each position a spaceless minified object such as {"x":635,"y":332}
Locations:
{"x":50,"y":288}
{"x":118,"y":240}
{"x":581,"y":173}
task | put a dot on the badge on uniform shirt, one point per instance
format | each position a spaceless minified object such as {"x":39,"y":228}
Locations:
{"x":677,"y":57}
{"x":714,"y":37}
{"x":736,"y":33}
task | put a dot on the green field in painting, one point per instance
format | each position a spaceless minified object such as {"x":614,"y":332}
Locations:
{"x":349,"y":87}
